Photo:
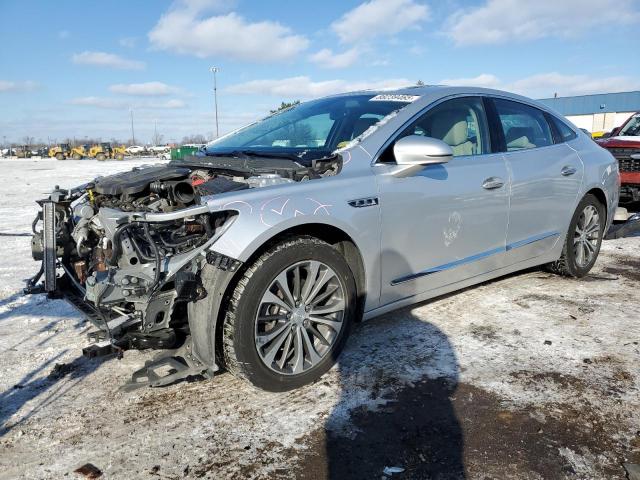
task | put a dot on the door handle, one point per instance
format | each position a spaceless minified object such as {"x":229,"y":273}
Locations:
{"x":568,"y":170}
{"x":492,"y":183}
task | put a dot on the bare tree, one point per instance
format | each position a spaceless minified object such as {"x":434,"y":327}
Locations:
{"x":157,"y":138}
{"x":285,"y":105}
{"x":199,"y":138}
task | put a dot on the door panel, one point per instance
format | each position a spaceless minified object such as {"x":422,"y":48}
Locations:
{"x":545,"y":180}
{"x":441,"y":226}
{"x":542,"y":198}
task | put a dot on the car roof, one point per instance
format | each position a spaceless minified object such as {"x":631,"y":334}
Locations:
{"x":430,"y":93}
{"x":437,"y":91}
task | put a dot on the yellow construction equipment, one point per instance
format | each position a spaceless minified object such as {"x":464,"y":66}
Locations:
{"x":64,"y":151}
{"x":119,"y":152}
{"x":104,"y":150}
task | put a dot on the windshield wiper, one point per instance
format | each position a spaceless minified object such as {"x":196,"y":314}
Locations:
{"x":257,"y":154}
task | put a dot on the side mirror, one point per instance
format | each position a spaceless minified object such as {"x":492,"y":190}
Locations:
{"x":415,"y":151}
{"x":418,"y":150}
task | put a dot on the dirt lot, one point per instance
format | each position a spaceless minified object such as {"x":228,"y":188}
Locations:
{"x":530,"y":376}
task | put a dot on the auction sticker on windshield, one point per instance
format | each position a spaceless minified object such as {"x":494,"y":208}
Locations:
{"x":394,"y":98}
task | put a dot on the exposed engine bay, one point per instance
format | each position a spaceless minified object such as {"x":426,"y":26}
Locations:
{"x":129,"y":247}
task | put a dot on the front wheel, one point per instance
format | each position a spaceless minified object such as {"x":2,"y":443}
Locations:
{"x":583,"y":241}
{"x":59,"y":156}
{"x":290,"y":315}
{"x":101,"y":157}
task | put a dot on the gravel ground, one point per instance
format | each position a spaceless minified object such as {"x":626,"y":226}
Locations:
{"x":529,"y":376}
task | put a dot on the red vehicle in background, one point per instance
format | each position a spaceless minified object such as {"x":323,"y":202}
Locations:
{"x":624,"y":144}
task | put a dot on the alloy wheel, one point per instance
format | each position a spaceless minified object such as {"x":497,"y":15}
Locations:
{"x":300,"y":317}
{"x":586,"y":236}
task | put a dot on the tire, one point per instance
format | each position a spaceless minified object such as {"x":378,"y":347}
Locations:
{"x":76,"y":156}
{"x":101,"y":157}
{"x":59,"y":156}
{"x":573,"y":262}
{"x":243,"y":332}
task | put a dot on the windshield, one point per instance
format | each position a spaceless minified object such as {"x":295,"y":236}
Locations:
{"x":632,"y":128}
{"x":312,"y":129}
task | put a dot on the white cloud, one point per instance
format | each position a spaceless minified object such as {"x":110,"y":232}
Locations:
{"x":379,"y":18}
{"x":102,"y":59}
{"x":99,"y":102}
{"x":187,"y":30}
{"x":500,"y":21}
{"x":118,"y":104}
{"x":23,"y":86}
{"x":545,"y":85}
{"x":128,"y":42}
{"x":304,"y":87}
{"x":148,"y":89}
{"x":483,"y":80}
{"x":326,"y":58}
{"x":173,"y":103}
{"x":380,"y":62}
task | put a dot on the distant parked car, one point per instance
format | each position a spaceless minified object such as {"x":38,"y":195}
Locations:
{"x":136,"y":150}
{"x":157,"y":149}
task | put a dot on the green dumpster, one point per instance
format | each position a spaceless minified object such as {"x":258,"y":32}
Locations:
{"x":178,"y":153}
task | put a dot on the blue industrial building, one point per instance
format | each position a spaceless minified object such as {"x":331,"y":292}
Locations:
{"x":599,"y":112}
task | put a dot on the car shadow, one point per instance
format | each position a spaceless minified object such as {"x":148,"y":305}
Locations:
{"x":43,"y":388}
{"x":37,"y":389}
{"x":395,"y":417}
{"x":37,"y":305}
{"x":406,"y":426}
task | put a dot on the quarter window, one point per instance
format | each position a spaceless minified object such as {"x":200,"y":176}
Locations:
{"x":563,"y":129}
{"x":460,"y":122}
{"x":523,"y":126}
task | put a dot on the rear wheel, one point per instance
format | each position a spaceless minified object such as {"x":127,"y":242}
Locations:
{"x":59,"y":156}
{"x":77,"y":156}
{"x":290,"y":315}
{"x":583,"y":241}
{"x":101,"y":157}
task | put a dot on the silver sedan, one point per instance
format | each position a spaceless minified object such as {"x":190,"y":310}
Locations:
{"x":333,"y":211}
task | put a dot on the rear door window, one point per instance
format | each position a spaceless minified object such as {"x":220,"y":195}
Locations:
{"x":524,"y":127}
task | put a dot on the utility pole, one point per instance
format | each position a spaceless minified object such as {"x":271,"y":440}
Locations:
{"x":133,"y":135}
{"x":215,"y":70}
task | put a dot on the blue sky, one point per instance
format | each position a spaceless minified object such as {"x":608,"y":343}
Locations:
{"x":76,"y":68}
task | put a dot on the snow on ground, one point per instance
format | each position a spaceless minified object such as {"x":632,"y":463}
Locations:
{"x":529,"y":376}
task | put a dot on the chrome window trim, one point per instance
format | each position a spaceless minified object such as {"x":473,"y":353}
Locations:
{"x":482,"y":95}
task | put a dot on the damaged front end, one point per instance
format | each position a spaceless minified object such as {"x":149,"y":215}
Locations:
{"x":127,"y":251}
{"x":132,"y":252}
